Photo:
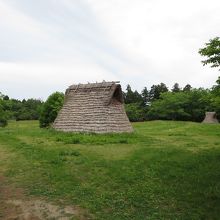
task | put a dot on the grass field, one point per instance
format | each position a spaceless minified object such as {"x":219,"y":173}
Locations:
{"x":164,"y":170}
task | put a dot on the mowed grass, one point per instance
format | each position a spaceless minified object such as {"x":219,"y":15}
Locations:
{"x":164,"y":170}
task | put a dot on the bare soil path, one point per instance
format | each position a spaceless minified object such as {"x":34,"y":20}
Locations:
{"x":14,"y":205}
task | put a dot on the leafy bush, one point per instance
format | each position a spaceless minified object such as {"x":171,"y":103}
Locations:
{"x":51,"y":108}
{"x":3,"y":121}
{"x":3,"y":118}
{"x":169,"y":107}
{"x":135,"y":112}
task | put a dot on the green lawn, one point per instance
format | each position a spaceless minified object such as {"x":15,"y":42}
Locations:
{"x":164,"y":170}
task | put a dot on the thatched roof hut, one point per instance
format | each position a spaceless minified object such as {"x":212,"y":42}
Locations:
{"x":210,"y":117}
{"x":93,"y":107}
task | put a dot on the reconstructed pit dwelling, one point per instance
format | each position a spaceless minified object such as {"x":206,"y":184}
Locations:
{"x":95,"y":108}
{"x":210,"y":117}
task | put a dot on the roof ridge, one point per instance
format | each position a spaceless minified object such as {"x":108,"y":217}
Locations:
{"x":93,"y":85}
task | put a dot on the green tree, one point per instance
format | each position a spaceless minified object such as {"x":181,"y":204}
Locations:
{"x":29,"y":110}
{"x":156,"y":91}
{"x":135,"y":112}
{"x":212,"y":52}
{"x":6,"y":97}
{"x":187,"y":88}
{"x":176,"y":88}
{"x":3,"y":117}
{"x":21,"y":110}
{"x":190,"y":105}
{"x":199,"y":101}
{"x":145,"y":96}
{"x":169,"y":107}
{"x":128,"y":95}
{"x":51,"y":108}
{"x":132,"y":96}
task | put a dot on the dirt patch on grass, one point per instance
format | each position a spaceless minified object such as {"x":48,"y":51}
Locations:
{"x":14,"y":205}
{"x":38,"y":209}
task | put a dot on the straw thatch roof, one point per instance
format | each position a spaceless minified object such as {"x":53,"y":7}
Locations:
{"x":93,"y":107}
{"x":210,"y":117}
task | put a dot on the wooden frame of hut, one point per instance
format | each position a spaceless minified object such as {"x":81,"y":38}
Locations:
{"x":95,"y":108}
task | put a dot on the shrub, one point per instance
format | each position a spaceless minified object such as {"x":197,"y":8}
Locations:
{"x":3,"y":118}
{"x":50,"y":109}
{"x":3,"y":121}
{"x":135,"y":112}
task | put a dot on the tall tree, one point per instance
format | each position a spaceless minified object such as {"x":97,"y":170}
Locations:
{"x":212,"y":52}
{"x":187,"y":88}
{"x":145,"y":96}
{"x":128,"y":95}
{"x":176,"y":88}
{"x":132,"y":97}
{"x":156,"y":91}
{"x":6,"y":97}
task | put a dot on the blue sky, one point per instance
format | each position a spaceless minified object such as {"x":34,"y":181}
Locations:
{"x":47,"y":45}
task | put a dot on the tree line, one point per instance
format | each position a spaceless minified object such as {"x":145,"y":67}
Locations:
{"x":185,"y":104}
{"x":14,"y":109}
{"x":157,"y":103}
